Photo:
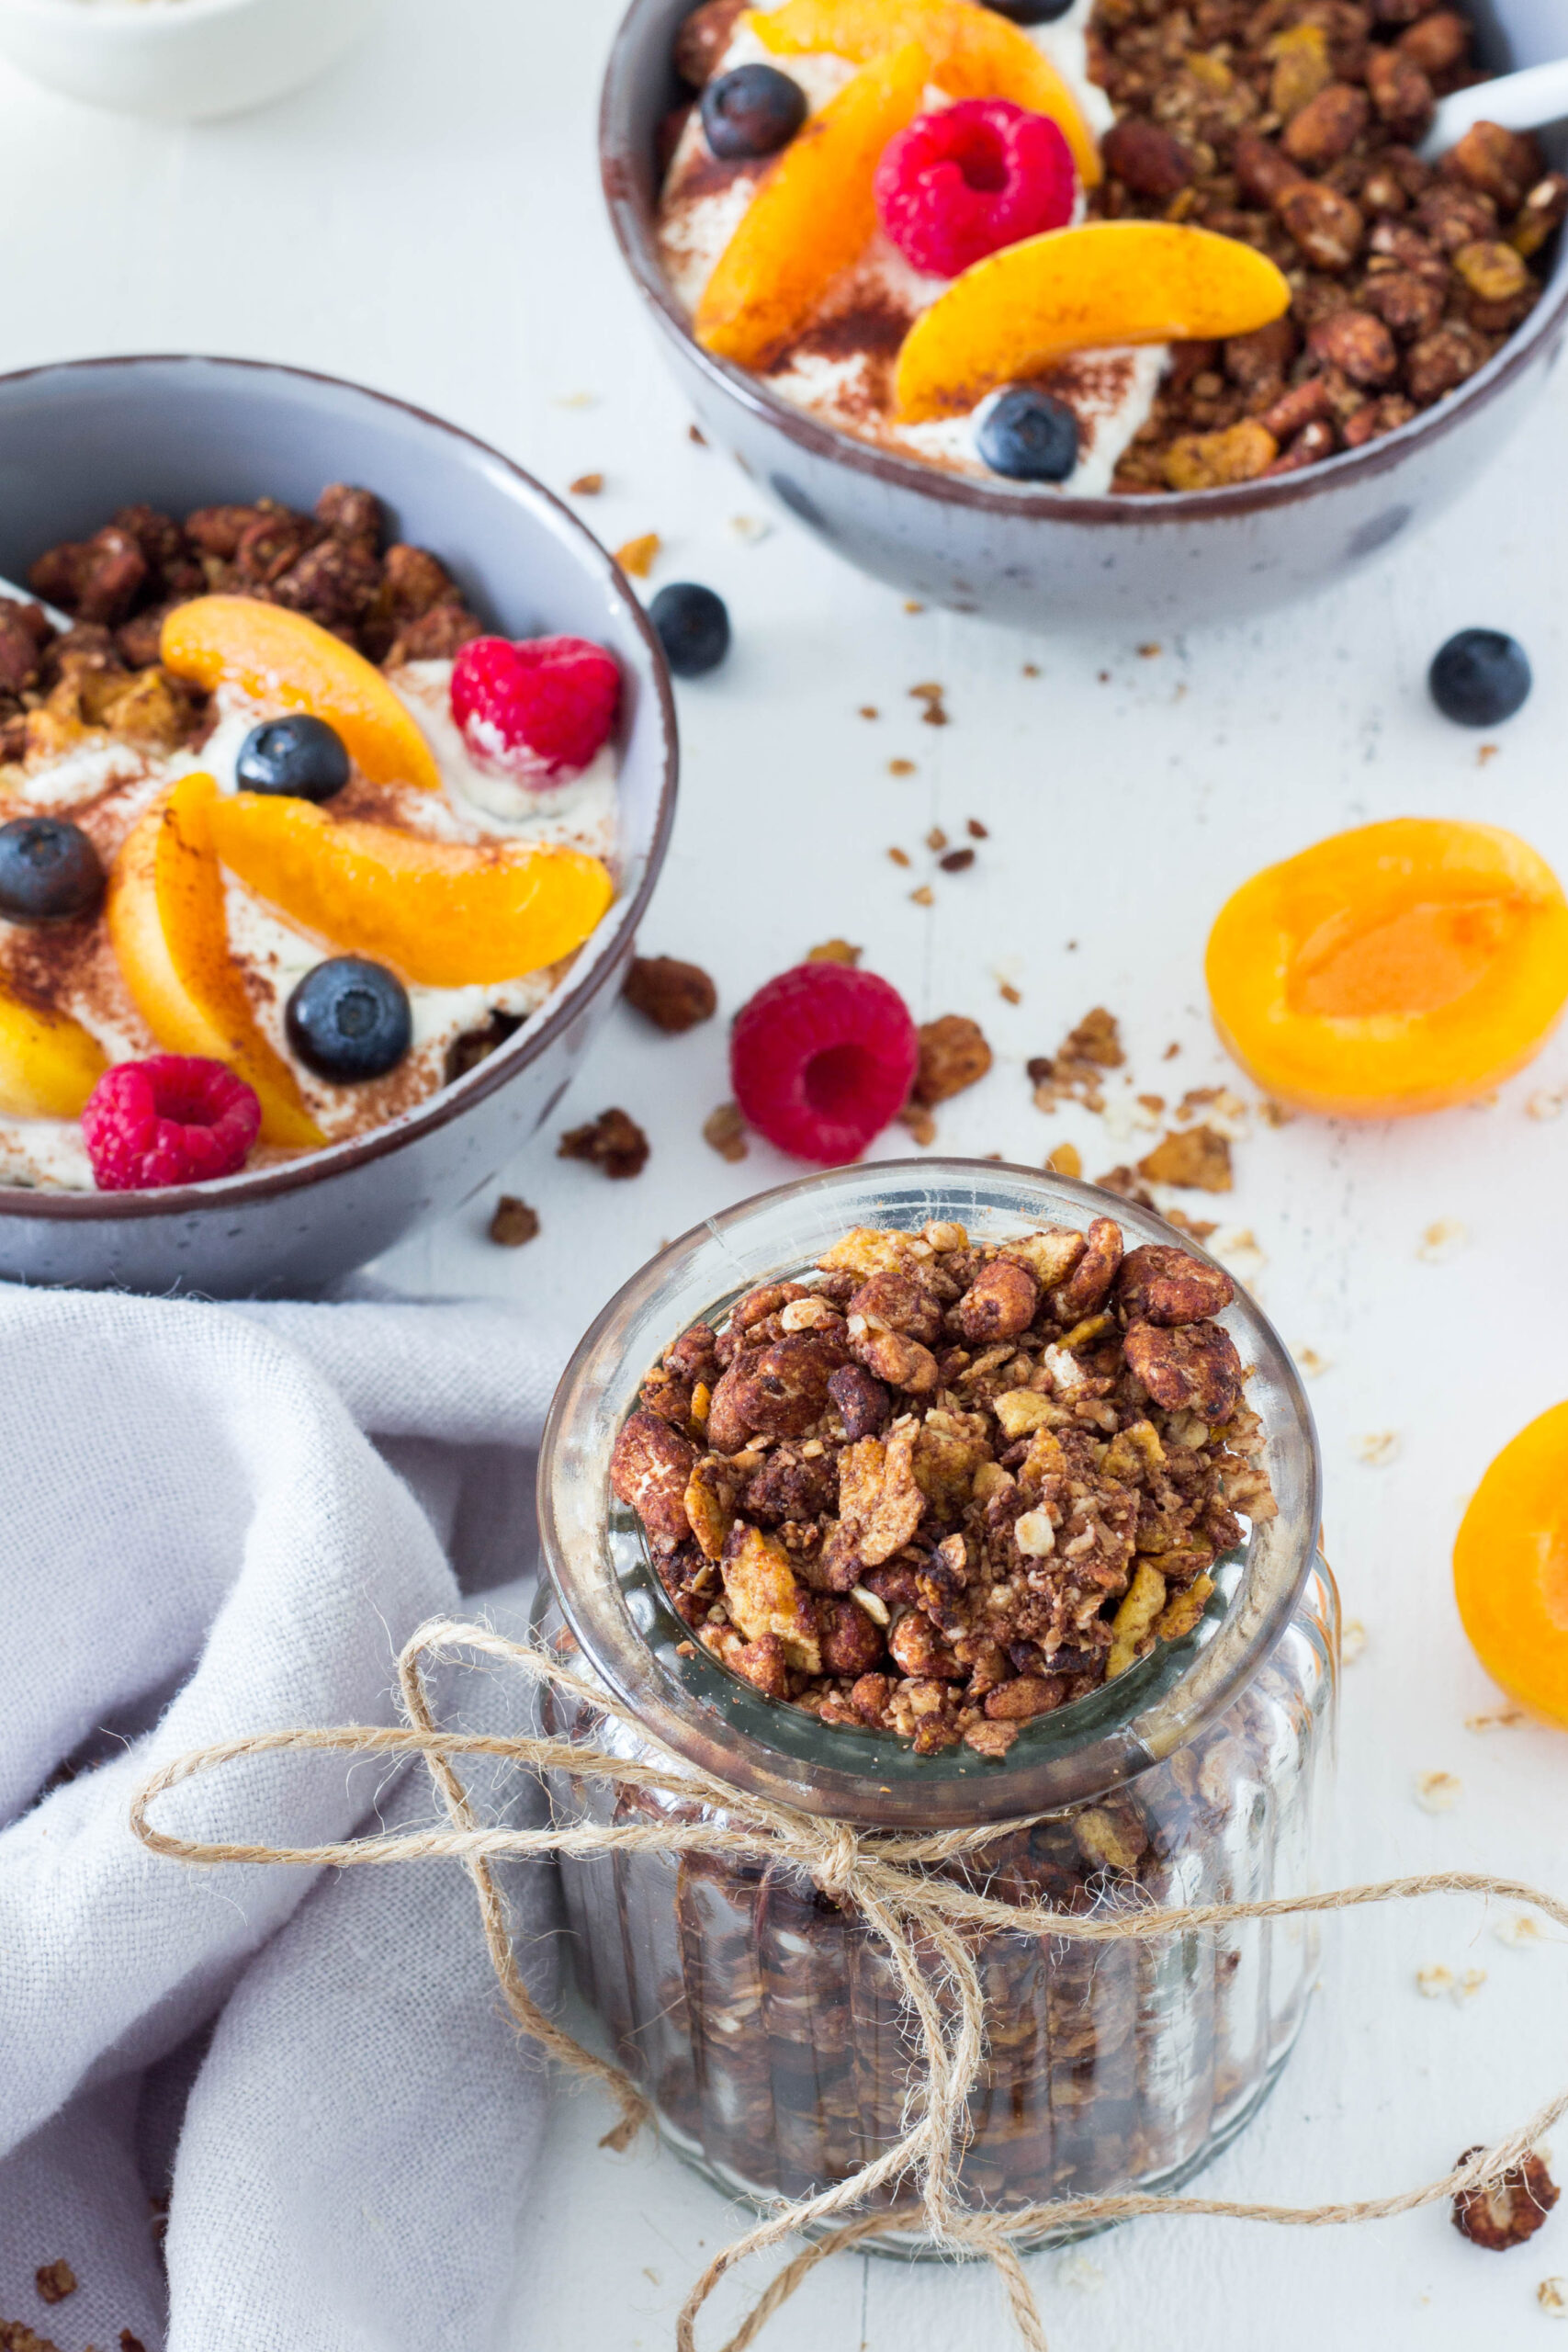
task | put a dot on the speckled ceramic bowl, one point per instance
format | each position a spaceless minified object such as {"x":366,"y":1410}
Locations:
{"x":79,"y":440}
{"x":1055,"y":562}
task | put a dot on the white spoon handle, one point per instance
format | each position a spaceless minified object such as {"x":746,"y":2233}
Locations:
{"x":1519,"y":101}
{"x":51,"y":612}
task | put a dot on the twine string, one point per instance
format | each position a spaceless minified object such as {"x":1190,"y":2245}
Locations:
{"x":929,"y":1928}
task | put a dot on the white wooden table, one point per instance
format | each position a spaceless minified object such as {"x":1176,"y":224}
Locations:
{"x":427,"y":220}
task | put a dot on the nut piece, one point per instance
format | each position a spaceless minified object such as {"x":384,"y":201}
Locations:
{"x":54,"y":2281}
{"x":899,"y":1300}
{"x":1050,"y":1255}
{"x":1361,"y":344}
{"x":779,"y":1391}
{"x":1503,"y":164}
{"x":709,"y":1503}
{"x":1132,"y":1627}
{"x":851,"y":1641}
{"x":650,"y":1470}
{"x":1510,"y":2212}
{"x":1441,"y":361}
{"x":902,"y":1362}
{"x":953,"y":1054}
{"x":1411,"y":305}
{"x":764,"y":1596}
{"x":1018,"y":1702}
{"x":1167,"y":1286}
{"x":1000,"y":1302}
{"x":1198,"y":1157}
{"x":1401,"y":90}
{"x":1328,"y":125}
{"x":879,"y":1502}
{"x":1147,"y":159}
{"x":674,"y":996}
{"x":612,"y":1141}
{"x":1193,"y":1368}
{"x":1088,"y":1286}
{"x":862,"y":1404}
{"x":1327,"y":227}
{"x":513,"y":1222}
{"x":1213,"y":461}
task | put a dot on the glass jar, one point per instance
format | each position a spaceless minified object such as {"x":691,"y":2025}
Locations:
{"x":762,"y":2018}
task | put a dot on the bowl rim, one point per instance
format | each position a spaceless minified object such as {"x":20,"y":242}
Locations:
{"x":631,"y":223}
{"x":448,"y":1101}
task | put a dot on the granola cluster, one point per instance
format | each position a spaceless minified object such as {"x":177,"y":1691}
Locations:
{"x":949,"y":1487}
{"x":1294,"y":125}
{"x":392,"y":603}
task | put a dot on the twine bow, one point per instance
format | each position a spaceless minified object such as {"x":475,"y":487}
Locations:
{"x":928,"y":1926}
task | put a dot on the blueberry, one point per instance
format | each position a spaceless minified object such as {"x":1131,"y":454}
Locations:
{"x":692,"y":626}
{"x":755,"y":111}
{"x":1480,"y":677}
{"x":1029,"y":436}
{"x":299,"y":758}
{"x":48,"y":868}
{"x":350,"y":1018}
{"x":1030,"y":12}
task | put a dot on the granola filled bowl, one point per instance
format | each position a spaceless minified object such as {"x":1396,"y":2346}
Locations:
{"x":805,"y":1616}
{"x":308,"y":916}
{"x":1356,"y":332}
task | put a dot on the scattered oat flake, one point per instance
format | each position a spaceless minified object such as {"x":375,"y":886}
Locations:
{"x":725,"y":1131}
{"x":1552,"y":2296}
{"x":835,"y":951}
{"x":1353,"y":1641}
{"x":639,"y":556}
{"x":1150,"y":652}
{"x":1065,"y":1160}
{"x":55,"y":2280}
{"x":910,"y":605}
{"x":1520,"y":1933}
{"x":1469,"y":1985}
{"x":1495,"y":1719}
{"x":936,"y":839}
{"x":919,"y":1123}
{"x":1199,"y":1159}
{"x":1434,"y":1981}
{"x":1199,"y":1228}
{"x":587,"y":485}
{"x":513,"y":1222}
{"x":1009,"y":994}
{"x":1314,"y":1365}
{"x":924,"y":897}
{"x":576,"y":400}
{"x":750,"y":529}
{"x":1377,"y":1449}
{"x":1438,"y":1792}
{"x":900,"y":857}
{"x":1546,"y":1102}
{"x":1442,"y":1240}
{"x":901,"y":767}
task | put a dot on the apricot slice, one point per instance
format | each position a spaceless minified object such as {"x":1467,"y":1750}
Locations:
{"x":1399,"y":967}
{"x":813,"y":214}
{"x":277,"y":656}
{"x":170,"y":934}
{"x":1511,"y":1568}
{"x":49,"y":1063}
{"x":442,"y":913}
{"x":1080,"y":289}
{"x":974,"y":53}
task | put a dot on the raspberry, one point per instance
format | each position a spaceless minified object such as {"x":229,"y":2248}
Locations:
{"x":174,"y":1119}
{"x":821,"y":1058}
{"x":963,"y":183}
{"x":541,"y":708}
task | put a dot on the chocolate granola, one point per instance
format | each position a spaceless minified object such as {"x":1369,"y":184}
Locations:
{"x":948,"y":1486}
{"x":1293,"y":126}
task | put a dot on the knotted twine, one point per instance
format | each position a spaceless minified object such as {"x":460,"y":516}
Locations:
{"x":929,"y":1928}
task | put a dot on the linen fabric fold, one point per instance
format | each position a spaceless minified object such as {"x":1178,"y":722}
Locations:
{"x":220,"y":1520}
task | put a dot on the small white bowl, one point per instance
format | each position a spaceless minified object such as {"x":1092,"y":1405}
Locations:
{"x":179,"y":61}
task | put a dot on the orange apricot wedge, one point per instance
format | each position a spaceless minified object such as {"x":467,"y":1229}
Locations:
{"x":1400,"y":967}
{"x":276,"y":656}
{"x":1511,"y":1568}
{"x":49,"y":1063}
{"x":813,"y":216}
{"x":170,"y":934}
{"x":974,"y":53}
{"x":442,"y":913}
{"x":1111,"y":282}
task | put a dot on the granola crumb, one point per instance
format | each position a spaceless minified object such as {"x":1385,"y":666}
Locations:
{"x":1150,"y":652}
{"x":1433,"y":1981}
{"x":1438,"y":1792}
{"x":750,"y":529}
{"x":924,"y":897}
{"x":612,"y":1141}
{"x":1075,"y":1071}
{"x":1496,"y":1719}
{"x":900,"y":857}
{"x":935,"y":712}
{"x":1032,"y":669}
{"x":1275,"y":1114}
{"x":957,"y":860}
{"x":901,"y":767}
{"x":55,"y":2280}
{"x":1552,"y":2296}
{"x":1352,"y":1642}
{"x":1065,"y":1160}
{"x":835,"y":951}
{"x":954,"y":1055}
{"x":1511,"y":2209}
{"x":674,"y":995}
{"x":639,"y":556}
{"x":976,"y":831}
{"x":919,"y":1123}
{"x":587,"y":486}
{"x":724,"y":1131}
{"x":695,"y":432}
{"x":1197,"y":1228}
{"x":1171,"y":1051}
{"x":1377,"y":1449}
{"x":1442,"y":1240}
{"x":1197,"y":1159}
{"x":1522,"y":1933}
{"x":1314,"y":1365}
{"x":936,"y":840}
{"x":513,"y":1222}
{"x":1486,"y":753}
{"x":869,"y":711}
{"x":1467,"y":1987}
{"x":1007,"y":993}
{"x":1546,"y":1102}
{"x":910,"y":605}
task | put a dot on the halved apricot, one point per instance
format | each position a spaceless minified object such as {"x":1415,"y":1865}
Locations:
{"x":442,"y":913}
{"x":1399,"y":967}
{"x":1080,"y":289}
{"x":277,"y":656}
{"x":49,"y":1063}
{"x":170,"y":935}
{"x":813,"y":214}
{"x":974,"y":53}
{"x":1511,"y":1568}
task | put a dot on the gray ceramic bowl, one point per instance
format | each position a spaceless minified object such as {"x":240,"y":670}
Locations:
{"x":1057,"y":561}
{"x":76,"y":442}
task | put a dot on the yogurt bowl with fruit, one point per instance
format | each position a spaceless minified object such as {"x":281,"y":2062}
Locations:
{"x":1067,"y":309}
{"x":311,"y":876}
